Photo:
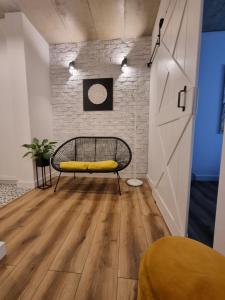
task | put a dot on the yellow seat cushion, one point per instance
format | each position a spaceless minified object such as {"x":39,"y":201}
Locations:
{"x":177,"y":268}
{"x":103,"y":165}
{"x":74,"y":165}
{"x":84,"y":165}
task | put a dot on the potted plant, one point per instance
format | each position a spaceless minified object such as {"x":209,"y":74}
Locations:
{"x":40,"y":151}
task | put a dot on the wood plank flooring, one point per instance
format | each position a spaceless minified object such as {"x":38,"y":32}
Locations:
{"x":202,"y":211}
{"x":83,"y":242}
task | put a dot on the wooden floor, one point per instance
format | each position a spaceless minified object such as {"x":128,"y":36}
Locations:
{"x":83,"y":242}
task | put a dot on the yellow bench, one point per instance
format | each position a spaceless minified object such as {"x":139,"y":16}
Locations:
{"x":92,"y":155}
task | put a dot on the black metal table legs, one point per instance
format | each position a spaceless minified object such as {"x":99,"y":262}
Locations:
{"x":44,"y":185}
{"x":57,"y":182}
{"x":118,"y":181}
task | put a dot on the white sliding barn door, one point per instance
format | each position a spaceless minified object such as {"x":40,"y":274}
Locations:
{"x":172,"y":108}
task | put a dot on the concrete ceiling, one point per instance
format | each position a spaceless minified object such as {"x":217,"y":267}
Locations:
{"x":61,"y":21}
{"x":214,"y":15}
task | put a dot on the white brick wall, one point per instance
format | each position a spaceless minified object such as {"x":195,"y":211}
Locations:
{"x":101,"y":59}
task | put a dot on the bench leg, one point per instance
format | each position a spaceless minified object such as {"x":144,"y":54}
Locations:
{"x":118,"y":181}
{"x":57,"y":182}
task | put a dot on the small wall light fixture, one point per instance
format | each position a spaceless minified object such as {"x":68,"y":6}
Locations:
{"x":72,"y":67}
{"x":124,"y":62}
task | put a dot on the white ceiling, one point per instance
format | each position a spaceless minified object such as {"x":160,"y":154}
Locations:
{"x":61,"y":21}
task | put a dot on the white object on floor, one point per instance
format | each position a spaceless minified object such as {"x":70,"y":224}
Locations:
{"x":134,"y":182}
{"x":2,"y":250}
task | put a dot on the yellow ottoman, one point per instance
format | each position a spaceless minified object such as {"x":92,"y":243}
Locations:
{"x":178,"y":268}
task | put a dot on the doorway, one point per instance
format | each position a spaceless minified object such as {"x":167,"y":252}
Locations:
{"x":208,"y":136}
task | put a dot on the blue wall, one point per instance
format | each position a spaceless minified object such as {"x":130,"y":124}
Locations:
{"x":208,"y":141}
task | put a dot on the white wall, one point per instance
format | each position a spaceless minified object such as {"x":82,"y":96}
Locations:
{"x":7,"y":161}
{"x":38,"y":83}
{"x":19,"y":94}
{"x":102,"y":59}
{"x":29,"y":93}
{"x":207,"y":158}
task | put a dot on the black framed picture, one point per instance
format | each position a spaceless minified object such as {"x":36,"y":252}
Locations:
{"x":98,"y":94}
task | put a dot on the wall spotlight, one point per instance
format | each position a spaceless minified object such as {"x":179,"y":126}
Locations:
{"x":72,"y":67}
{"x":124,"y":63}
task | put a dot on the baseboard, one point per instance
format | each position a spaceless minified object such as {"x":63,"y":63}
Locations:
{"x":170,"y":222}
{"x":168,"y":218}
{"x":33,"y":183}
{"x":2,"y":250}
{"x":8,"y":179}
{"x":200,"y":177}
{"x":26,"y":184}
{"x":149,"y":181}
{"x":53,"y":174}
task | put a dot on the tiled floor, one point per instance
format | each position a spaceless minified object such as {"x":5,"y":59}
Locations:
{"x":9,"y":192}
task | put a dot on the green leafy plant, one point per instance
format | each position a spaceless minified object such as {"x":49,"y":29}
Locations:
{"x":40,"y":150}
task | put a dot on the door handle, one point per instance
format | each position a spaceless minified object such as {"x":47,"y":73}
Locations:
{"x":179,"y":98}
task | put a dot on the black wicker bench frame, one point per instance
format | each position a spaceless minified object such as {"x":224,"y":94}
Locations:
{"x":92,"y":149}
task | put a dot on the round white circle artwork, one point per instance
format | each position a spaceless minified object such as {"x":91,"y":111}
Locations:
{"x":97,"y":93}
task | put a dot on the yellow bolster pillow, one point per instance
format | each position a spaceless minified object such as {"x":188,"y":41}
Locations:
{"x":103,"y":165}
{"x":84,"y":165}
{"x":74,"y":165}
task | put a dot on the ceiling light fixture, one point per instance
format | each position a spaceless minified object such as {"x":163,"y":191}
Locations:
{"x":72,"y":67}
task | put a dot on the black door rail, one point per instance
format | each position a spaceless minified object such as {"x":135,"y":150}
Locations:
{"x":157,"y":44}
